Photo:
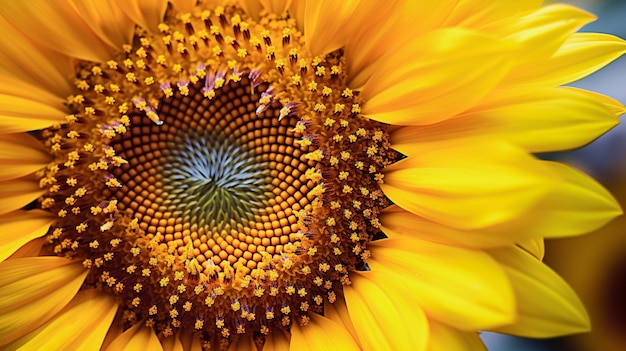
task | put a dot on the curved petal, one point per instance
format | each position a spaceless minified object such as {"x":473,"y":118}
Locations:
{"x":19,"y":227}
{"x":466,"y":184}
{"x":547,"y":306}
{"x":338,"y":313}
{"x":321,"y":334}
{"x":138,"y":337}
{"x":16,"y":193}
{"x":108,"y":21}
{"x":44,"y":70}
{"x":446,"y":338}
{"x":384,"y":27}
{"x":324,"y":22}
{"x":479,"y":13}
{"x":18,"y":114}
{"x":30,"y":249}
{"x":534,"y":246}
{"x":58,"y":26}
{"x":415,"y":86}
{"x":463,"y":288}
{"x":33,"y":290}
{"x":278,"y":7}
{"x":383,"y":314}
{"x":20,"y":155}
{"x":146,"y":13}
{"x":538,"y":119}
{"x":243,"y":343}
{"x":397,"y":222}
{"x":543,"y":31}
{"x":278,"y":340}
{"x":81,"y":331}
{"x":172,"y":343}
{"x":580,"y":55}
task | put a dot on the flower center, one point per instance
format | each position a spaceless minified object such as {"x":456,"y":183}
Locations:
{"x":216,"y":177}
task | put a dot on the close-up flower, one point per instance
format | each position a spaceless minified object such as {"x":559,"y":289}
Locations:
{"x":292,"y":175}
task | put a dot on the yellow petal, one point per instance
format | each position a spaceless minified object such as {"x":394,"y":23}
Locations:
{"x":383,"y":27}
{"x":16,"y":193}
{"x":338,"y":313}
{"x":382,"y":315}
{"x":534,"y":246}
{"x":18,"y":114}
{"x":578,"y":205}
{"x":398,"y":222}
{"x":243,"y":343}
{"x":20,"y":155}
{"x":324,"y":22}
{"x":190,"y":341}
{"x":479,"y":13}
{"x":172,"y":343}
{"x":278,"y":340}
{"x":252,"y":8}
{"x":184,"y":5}
{"x":463,"y":288}
{"x":466,"y":184}
{"x":44,"y":70}
{"x":108,"y":21}
{"x":580,"y":55}
{"x":138,"y":337}
{"x":33,"y":290}
{"x":321,"y":334}
{"x":278,"y":7}
{"x":542,"y":32}
{"x":538,"y":119}
{"x":81,"y":325}
{"x":146,"y":13}
{"x":58,"y":26}
{"x":415,"y":86}
{"x":547,"y":306}
{"x":446,"y":338}
{"x":30,"y":249}
{"x":296,"y":11}
{"x":19,"y":227}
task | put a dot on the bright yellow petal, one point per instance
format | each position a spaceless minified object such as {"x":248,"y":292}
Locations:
{"x":45,"y":69}
{"x":580,"y":55}
{"x":338,"y":313}
{"x":446,"y":338}
{"x":324,"y":22}
{"x":278,"y":340}
{"x":278,"y":7}
{"x":384,"y":27}
{"x":547,"y":306}
{"x":81,"y":325}
{"x":578,"y":205}
{"x":534,"y":246}
{"x":108,"y":21}
{"x":542,"y":32}
{"x":479,"y":13}
{"x":384,"y":317}
{"x":538,"y":119}
{"x":466,"y":184}
{"x":16,"y":193}
{"x":463,"y":288}
{"x":18,"y":114}
{"x":20,"y":155}
{"x":58,"y":26}
{"x":397,"y":222}
{"x":33,"y":290}
{"x":138,"y":337}
{"x":19,"y":227}
{"x":321,"y":334}
{"x":415,"y":86}
{"x":146,"y":13}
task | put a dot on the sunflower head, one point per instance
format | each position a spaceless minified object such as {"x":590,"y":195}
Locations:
{"x":255,"y":175}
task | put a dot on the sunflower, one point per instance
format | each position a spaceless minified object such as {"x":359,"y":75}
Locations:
{"x":305,"y":175}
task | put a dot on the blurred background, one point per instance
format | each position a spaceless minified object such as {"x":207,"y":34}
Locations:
{"x":593,"y":264}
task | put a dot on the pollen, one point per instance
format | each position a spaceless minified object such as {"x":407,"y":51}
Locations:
{"x":216,"y":177}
